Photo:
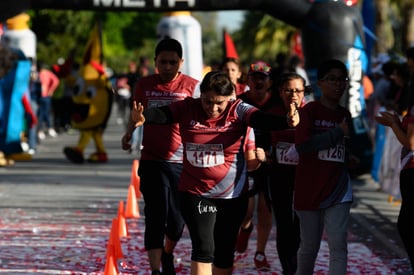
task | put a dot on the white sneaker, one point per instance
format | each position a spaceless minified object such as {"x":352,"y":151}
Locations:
{"x":32,"y":151}
{"x":41,"y":135}
{"x":51,"y":132}
{"x":25,"y":146}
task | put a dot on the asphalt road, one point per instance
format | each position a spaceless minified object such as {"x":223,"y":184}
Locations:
{"x":55,"y":218}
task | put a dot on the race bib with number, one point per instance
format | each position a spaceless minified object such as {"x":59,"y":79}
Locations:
{"x":205,"y":155}
{"x":336,"y":153}
{"x":286,"y":153}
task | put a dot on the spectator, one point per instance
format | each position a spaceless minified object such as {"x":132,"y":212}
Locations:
{"x":49,"y":83}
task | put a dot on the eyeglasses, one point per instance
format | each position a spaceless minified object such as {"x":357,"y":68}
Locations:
{"x":260,"y":67}
{"x":331,"y":79}
{"x":293,"y":91}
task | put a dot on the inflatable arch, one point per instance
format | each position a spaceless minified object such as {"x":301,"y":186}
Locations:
{"x":329,"y":28}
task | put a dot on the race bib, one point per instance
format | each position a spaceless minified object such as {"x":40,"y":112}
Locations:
{"x":286,"y":153}
{"x":336,"y":153}
{"x":205,"y":155}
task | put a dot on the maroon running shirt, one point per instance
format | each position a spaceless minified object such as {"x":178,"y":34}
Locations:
{"x":318,"y":172}
{"x":214,"y":162}
{"x":163,"y":142}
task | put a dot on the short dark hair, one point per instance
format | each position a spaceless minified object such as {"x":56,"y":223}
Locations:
{"x":285,"y":77}
{"x":169,"y":45}
{"x":218,"y":82}
{"x":330,"y":64}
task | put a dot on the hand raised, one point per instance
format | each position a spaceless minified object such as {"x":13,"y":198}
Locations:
{"x":137,"y":115}
{"x":387,"y":118}
{"x":293,"y":115}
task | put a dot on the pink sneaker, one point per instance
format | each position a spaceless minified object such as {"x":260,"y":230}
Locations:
{"x":243,"y":238}
{"x":260,"y":262}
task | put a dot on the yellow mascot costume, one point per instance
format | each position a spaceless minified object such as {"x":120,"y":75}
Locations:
{"x":92,"y":102}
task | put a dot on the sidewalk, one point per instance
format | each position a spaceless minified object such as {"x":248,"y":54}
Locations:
{"x":55,"y":218}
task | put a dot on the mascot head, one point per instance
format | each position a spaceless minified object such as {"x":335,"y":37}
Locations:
{"x":92,"y":98}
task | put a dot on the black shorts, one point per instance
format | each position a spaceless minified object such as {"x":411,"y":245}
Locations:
{"x":213,"y":225}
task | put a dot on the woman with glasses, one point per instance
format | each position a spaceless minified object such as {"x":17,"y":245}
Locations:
{"x":291,"y":90}
{"x":213,"y":181}
{"x":322,"y":191}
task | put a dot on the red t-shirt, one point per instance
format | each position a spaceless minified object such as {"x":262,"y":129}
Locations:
{"x":318,"y":172}
{"x":214,"y":163}
{"x":162,"y":142}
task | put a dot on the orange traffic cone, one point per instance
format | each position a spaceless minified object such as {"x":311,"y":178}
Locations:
{"x":110,"y":265}
{"x":114,"y":240}
{"x":135,"y":179}
{"x":131,"y":210}
{"x":122,"y":225}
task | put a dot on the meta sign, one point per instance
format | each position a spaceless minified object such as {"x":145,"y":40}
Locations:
{"x":142,"y":3}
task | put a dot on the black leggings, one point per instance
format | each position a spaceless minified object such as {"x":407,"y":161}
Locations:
{"x":404,"y":223}
{"x":282,"y":179}
{"x":159,"y":187}
{"x":213,"y":225}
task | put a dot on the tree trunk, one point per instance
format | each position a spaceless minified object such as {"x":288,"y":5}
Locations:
{"x":383,"y":29}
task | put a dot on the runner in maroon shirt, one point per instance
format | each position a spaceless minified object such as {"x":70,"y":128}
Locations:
{"x":284,"y":158}
{"x":161,"y":157}
{"x":260,"y":95}
{"x":212,"y":184}
{"x":323,"y":191}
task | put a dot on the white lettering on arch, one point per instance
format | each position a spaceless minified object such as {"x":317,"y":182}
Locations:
{"x":139,"y":3}
{"x":171,"y":3}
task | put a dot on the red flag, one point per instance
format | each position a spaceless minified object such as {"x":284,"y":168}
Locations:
{"x":228,"y":45}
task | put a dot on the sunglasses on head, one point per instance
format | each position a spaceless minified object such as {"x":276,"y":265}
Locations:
{"x":260,"y":67}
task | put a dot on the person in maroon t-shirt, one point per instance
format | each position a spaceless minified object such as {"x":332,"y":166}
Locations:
{"x":323,"y":191}
{"x":290,"y":87}
{"x":213,"y":193}
{"x":162,"y":155}
{"x":260,"y":95}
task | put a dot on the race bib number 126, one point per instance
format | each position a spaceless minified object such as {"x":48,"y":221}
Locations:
{"x":336,"y":153}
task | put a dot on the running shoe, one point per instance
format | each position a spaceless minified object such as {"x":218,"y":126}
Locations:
{"x":243,"y":238}
{"x":260,"y":262}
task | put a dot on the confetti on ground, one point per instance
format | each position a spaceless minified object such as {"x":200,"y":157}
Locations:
{"x":64,"y":242}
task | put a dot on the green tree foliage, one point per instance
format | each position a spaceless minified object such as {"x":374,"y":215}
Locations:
{"x":126,"y":35}
{"x":58,"y":32}
{"x":129,"y":35}
{"x":262,"y":37}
